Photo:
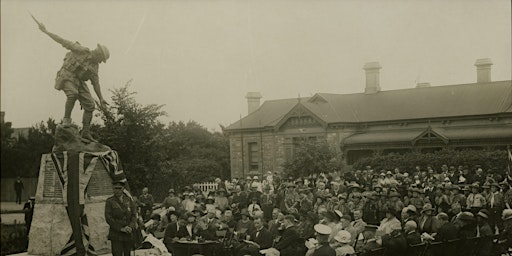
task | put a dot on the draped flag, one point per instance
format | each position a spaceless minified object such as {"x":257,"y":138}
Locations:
{"x":74,"y":172}
{"x":509,"y":167}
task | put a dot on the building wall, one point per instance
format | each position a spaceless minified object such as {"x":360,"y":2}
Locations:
{"x":275,"y":145}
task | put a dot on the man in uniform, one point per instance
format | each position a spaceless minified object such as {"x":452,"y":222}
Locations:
{"x":80,"y":65}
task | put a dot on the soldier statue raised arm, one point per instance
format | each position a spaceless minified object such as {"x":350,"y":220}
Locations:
{"x":80,"y":64}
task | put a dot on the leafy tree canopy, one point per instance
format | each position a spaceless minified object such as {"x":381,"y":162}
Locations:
{"x":311,"y":157}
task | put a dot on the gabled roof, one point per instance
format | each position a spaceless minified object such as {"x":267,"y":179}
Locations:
{"x":267,"y":115}
{"x":404,"y":104}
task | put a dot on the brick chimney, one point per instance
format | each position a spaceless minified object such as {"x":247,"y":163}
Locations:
{"x":372,"y":77}
{"x":483,"y":70}
{"x":253,"y":101}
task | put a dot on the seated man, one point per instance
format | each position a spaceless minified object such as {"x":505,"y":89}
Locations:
{"x":260,"y":239}
{"x":411,"y":234}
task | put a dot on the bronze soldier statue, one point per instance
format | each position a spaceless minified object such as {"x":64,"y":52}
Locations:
{"x":80,"y":65}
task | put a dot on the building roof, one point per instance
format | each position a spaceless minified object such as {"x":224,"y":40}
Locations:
{"x":404,"y":104}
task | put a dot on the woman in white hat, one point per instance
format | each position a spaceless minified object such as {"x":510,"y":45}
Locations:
{"x":342,"y":243}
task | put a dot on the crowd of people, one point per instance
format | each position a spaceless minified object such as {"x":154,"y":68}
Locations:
{"x":349,"y":214}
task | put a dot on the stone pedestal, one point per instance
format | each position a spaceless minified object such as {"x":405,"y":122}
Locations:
{"x":51,"y":227}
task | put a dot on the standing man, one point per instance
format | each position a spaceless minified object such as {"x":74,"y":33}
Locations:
{"x":121,"y":217}
{"x":18,"y":188}
{"x":80,"y":65}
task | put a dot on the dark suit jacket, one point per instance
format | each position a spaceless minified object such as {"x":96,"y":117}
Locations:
{"x":288,"y":243}
{"x":413,"y":238}
{"x":263,"y":239}
{"x":172,"y":231}
{"x":196,"y":231}
{"x":324,"y":250}
{"x":446,"y":232}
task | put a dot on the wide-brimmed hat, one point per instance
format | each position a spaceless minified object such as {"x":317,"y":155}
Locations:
{"x":427,"y":207}
{"x":291,"y":185}
{"x":104,"y":51}
{"x":353,"y":184}
{"x":466,"y":216}
{"x":506,"y":214}
{"x":394,"y":194}
{"x":322,"y":229}
{"x":244,"y":212}
{"x":343,"y":236}
{"x":484,"y":213}
{"x":371,"y":228}
{"x":411,"y":208}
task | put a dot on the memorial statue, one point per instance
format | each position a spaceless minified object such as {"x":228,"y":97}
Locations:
{"x":80,"y":65}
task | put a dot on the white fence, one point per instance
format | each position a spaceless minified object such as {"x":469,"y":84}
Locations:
{"x":206,"y":187}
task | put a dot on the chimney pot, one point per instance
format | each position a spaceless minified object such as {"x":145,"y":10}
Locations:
{"x":253,"y":101}
{"x":372,"y":77}
{"x":483,"y":70}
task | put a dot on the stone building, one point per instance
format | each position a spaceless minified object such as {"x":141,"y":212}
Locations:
{"x":425,"y":119}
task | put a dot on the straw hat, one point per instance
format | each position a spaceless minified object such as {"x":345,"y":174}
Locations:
{"x":343,"y":236}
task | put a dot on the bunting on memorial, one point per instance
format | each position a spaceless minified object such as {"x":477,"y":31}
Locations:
{"x":74,"y":171}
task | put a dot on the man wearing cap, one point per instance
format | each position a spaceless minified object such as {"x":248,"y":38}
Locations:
{"x":80,"y":65}
{"x":120,"y":215}
{"x":322,"y":233}
{"x":288,"y":243}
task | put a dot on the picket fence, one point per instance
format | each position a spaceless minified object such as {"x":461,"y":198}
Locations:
{"x":206,"y":187}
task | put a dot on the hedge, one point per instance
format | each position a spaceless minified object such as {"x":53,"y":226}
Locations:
{"x":486,"y":159}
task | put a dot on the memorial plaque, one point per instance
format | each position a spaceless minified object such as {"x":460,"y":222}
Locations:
{"x":52,"y":187}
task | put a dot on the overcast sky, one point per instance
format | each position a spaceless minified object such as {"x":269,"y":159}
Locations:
{"x":200,"y":58}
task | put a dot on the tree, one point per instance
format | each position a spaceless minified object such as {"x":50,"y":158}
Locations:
{"x":135,"y":132}
{"x":311,"y":157}
{"x":159,"y":156}
{"x":22,"y":156}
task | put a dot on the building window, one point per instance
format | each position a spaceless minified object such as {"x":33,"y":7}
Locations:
{"x":254,"y":156}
